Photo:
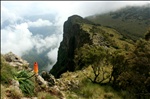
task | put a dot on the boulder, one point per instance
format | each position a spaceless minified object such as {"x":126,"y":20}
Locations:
{"x":16,"y":61}
{"x":55,"y":91}
{"x":41,"y":81}
{"x":49,"y":78}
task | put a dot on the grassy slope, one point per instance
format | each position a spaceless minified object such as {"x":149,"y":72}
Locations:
{"x":116,"y":40}
{"x":88,"y":90}
{"x":131,"y":22}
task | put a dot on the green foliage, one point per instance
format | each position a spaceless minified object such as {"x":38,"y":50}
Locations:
{"x":95,"y":56}
{"x":88,"y":90}
{"x":147,"y":35}
{"x":45,"y":95}
{"x":26,"y":85}
{"x":7,"y":72}
{"x":132,"y":71}
{"x":118,"y":61}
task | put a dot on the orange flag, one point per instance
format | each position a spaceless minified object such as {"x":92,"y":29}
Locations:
{"x":35,"y":67}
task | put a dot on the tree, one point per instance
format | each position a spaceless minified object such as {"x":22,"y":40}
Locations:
{"x":147,"y":35}
{"x":97,"y":58}
{"x":136,"y":77}
{"x":118,"y":62}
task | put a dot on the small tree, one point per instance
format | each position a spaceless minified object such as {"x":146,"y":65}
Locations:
{"x":147,"y":35}
{"x":118,"y":61}
{"x":133,"y":71}
{"x":96,"y":57}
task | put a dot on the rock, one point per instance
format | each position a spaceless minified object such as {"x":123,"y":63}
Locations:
{"x":13,"y":91}
{"x":15,"y":83}
{"x":55,"y":91}
{"x":41,"y":81}
{"x":16,"y":61}
{"x":108,"y":95}
{"x":49,"y":78}
{"x":74,"y":37}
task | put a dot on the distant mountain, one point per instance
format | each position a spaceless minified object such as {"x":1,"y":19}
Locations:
{"x":42,"y":58}
{"x":131,"y":21}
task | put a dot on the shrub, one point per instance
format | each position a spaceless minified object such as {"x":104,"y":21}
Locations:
{"x":26,"y":85}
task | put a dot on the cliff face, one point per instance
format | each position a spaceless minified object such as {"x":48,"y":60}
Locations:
{"x":74,"y":37}
{"x":79,"y":31}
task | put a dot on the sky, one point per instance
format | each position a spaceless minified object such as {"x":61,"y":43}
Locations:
{"x":16,"y":36}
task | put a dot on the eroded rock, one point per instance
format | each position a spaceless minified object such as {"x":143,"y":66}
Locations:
{"x":16,"y":61}
{"x":49,"y":78}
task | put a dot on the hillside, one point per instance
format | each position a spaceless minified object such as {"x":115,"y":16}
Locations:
{"x":20,"y":83}
{"x":131,"y":21}
{"x":77,"y":32}
{"x":104,"y":57}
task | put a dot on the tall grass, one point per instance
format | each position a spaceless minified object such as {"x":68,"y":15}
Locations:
{"x":89,"y":90}
{"x":26,"y":85}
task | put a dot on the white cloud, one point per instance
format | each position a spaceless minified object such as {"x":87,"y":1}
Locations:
{"x":6,"y":14}
{"x":52,"y":55}
{"x":42,"y":44}
{"x":39,"y":23}
{"x":16,"y":38}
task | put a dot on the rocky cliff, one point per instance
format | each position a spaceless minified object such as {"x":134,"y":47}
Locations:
{"x":79,"y":31}
{"x":74,"y":37}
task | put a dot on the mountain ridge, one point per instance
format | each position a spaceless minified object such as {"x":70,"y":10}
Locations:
{"x":131,"y":21}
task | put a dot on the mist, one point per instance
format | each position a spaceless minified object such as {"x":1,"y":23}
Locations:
{"x":18,"y":33}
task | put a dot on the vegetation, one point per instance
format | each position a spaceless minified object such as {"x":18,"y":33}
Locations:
{"x":7,"y":72}
{"x":97,"y":57}
{"x":26,"y":84}
{"x":89,"y":90}
{"x":128,"y":70}
{"x":135,"y":77}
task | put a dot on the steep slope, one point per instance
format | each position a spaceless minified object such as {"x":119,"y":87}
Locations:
{"x":132,"y":21}
{"x":79,"y":31}
{"x":73,"y":37}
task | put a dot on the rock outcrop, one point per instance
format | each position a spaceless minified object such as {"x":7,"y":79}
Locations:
{"x":78,"y":32}
{"x":74,"y":37}
{"x":16,"y":61}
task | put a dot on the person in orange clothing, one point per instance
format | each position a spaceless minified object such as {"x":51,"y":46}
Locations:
{"x":36,"y":68}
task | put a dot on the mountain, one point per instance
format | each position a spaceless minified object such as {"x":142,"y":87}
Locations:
{"x":131,"y":21}
{"x":79,"y":31}
{"x":102,"y":56}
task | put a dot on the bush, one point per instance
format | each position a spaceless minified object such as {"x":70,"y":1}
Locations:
{"x":26,"y":85}
{"x":7,"y":72}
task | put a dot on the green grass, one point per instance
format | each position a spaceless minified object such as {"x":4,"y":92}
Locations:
{"x":7,"y":72}
{"x":26,"y":85}
{"x":89,"y":90}
{"x":46,"y":95}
